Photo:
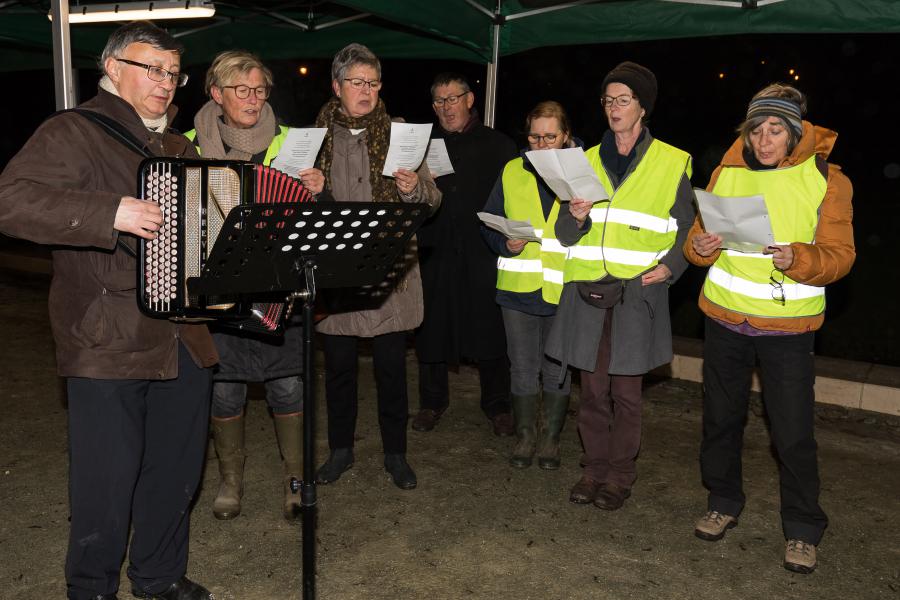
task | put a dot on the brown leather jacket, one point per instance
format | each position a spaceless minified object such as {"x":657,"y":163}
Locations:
{"x":63,"y":188}
{"x":820,"y":263}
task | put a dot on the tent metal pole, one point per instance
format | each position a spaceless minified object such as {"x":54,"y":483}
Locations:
{"x":63,"y":75}
{"x":490,"y":96}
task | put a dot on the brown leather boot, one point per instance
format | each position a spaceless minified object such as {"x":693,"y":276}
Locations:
{"x":228,"y":437}
{"x":289,"y":431}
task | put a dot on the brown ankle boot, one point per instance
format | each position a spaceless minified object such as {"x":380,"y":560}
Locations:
{"x":228,"y":437}
{"x":289,"y":431}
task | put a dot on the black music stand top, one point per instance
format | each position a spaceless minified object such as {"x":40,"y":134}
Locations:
{"x":264,"y":247}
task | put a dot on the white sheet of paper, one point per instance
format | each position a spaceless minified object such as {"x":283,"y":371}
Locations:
{"x":568,"y":173}
{"x":743,"y":222}
{"x":514,"y":230}
{"x":437,"y":158}
{"x":299,"y":150}
{"x":409,"y":141}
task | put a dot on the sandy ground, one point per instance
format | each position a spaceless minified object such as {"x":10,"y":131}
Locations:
{"x":474,"y":528}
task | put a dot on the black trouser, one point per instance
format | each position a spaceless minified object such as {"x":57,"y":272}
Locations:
{"x":136,"y":452}
{"x":787,"y":368}
{"x":341,"y":389}
{"x":493,"y":375}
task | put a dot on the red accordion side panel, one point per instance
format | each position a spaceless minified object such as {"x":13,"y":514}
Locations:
{"x":274,"y":186}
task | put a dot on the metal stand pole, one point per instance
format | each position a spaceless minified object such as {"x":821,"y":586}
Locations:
{"x":307,"y":487}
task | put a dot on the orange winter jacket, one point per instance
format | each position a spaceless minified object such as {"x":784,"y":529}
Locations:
{"x":820,"y":263}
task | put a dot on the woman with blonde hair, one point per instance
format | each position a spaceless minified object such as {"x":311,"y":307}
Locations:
{"x":238,"y":123}
{"x":536,"y":380}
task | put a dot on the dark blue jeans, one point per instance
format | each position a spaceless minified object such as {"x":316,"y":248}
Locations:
{"x":788,"y":375}
{"x":529,"y":367}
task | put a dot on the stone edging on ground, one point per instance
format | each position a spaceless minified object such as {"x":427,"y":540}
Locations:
{"x":847,"y":383}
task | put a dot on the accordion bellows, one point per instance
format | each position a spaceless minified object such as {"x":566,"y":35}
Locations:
{"x":195,"y":197}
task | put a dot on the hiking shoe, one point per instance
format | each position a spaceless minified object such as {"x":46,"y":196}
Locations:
{"x":799,"y":556}
{"x":713,"y":525}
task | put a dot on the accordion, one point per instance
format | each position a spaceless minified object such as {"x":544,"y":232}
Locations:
{"x":195,"y":197}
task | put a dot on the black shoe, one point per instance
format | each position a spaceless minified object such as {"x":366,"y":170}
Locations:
{"x":105,"y":597}
{"x":427,"y":418}
{"x":401,"y":473}
{"x":339,"y":461}
{"x":183,"y":589}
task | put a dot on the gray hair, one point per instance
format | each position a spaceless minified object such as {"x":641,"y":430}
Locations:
{"x":136,"y":32}
{"x":447,"y":78}
{"x":350,"y":56}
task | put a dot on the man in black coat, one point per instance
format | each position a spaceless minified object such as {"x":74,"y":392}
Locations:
{"x":459,"y":272}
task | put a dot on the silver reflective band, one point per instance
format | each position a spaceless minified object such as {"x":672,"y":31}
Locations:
{"x":633,"y":218}
{"x":762,"y":291}
{"x":519,"y":265}
{"x":616,"y":255}
{"x":548,"y":245}
{"x":553,"y":276}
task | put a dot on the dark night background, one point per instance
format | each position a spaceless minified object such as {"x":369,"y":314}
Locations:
{"x":704,"y":86}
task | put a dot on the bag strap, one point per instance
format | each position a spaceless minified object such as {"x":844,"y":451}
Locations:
{"x":116,"y":131}
{"x":113,"y":128}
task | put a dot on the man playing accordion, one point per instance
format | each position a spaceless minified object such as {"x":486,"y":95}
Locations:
{"x":138,"y":388}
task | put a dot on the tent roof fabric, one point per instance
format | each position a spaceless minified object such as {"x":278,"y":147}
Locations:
{"x":450,"y":29}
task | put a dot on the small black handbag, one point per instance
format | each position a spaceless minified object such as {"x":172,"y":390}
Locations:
{"x":605,"y":293}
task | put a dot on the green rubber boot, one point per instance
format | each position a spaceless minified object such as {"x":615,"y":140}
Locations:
{"x":555,"y":406}
{"x":525,"y":415}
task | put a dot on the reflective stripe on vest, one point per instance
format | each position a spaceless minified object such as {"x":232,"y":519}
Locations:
{"x":271,"y":151}
{"x":631,"y":232}
{"x":553,"y":258}
{"x":741,"y":282}
{"x":521,"y":202}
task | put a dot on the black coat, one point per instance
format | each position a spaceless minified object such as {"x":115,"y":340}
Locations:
{"x":459,"y":271}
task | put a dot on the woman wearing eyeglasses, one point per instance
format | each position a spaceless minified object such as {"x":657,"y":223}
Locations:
{"x":520,"y":194}
{"x":238,"y":123}
{"x":352,"y":159}
{"x":613,"y":318}
{"x":766,"y":307}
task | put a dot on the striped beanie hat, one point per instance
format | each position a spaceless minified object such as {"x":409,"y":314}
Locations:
{"x":777,"y":107}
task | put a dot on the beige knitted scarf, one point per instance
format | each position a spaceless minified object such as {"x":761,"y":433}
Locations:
{"x":156,"y":125}
{"x":378,"y":136}
{"x":213,"y":135}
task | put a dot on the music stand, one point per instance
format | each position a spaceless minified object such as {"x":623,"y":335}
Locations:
{"x":295,"y":248}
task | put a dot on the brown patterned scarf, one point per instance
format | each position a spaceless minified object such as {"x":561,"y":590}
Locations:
{"x":378,"y":136}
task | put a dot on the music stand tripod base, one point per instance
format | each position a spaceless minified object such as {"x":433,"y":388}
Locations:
{"x":297,"y":248}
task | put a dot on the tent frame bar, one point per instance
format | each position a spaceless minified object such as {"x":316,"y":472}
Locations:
{"x":64,"y":77}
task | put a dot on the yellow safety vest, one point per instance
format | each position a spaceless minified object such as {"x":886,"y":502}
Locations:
{"x":271,"y":151}
{"x":553,"y":258}
{"x":633,"y":230}
{"x":522,"y":202}
{"x":741,"y":282}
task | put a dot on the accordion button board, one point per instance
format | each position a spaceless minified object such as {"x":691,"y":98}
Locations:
{"x":196,"y":198}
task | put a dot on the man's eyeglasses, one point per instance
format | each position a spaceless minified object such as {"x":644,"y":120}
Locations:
{"x":548,"y":137}
{"x":451,"y":100}
{"x":358,"y":83}
{"x":243,"y":91}
{"x":158,"y":73}
{"x":776,"y":280}
{"x":623,"y":100}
